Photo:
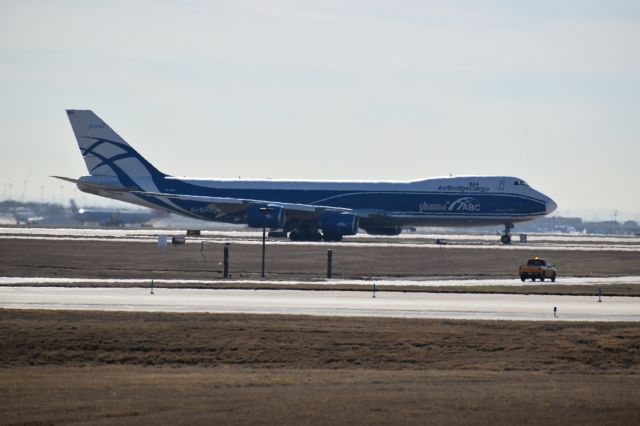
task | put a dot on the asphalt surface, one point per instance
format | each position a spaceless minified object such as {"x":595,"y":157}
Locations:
{"x":576,"y":242}
{"x":327,"y":303}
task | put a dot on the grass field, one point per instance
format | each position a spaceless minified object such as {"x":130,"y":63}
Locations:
{"x":113,"y":259}
{"x":144,"y":260}
{"x":132,"y":367}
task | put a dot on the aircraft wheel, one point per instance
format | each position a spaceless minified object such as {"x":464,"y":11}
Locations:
{"x":332,"y":237}
{"x":304,"y":236}
{"x":505,"y":239}
{"x":295,"y":236}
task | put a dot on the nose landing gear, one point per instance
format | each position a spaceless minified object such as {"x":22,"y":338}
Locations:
{"x":506,"y":236}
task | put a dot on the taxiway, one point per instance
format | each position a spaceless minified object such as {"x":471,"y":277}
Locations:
{"x":326,"y":303}
{"x":559,"y":242}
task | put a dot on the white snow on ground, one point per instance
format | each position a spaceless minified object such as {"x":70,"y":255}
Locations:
{"x":9,"y":281}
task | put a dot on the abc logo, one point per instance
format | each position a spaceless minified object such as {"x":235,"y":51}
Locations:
{"x":466,"y":204}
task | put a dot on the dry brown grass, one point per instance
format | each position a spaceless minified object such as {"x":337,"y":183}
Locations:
{"x":99,"y":367}
{"x":241,"y":395}
{"x":98,"y":259}
{"x":101,"y":259}
{"x":102,"y":338}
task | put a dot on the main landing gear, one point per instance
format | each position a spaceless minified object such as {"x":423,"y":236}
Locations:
{"x":312,"y":233}
{"x":506,"y":236}
{"x":305,"y":232}
{"x":305,"y":235}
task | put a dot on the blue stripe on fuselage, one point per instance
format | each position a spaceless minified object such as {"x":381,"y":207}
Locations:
{"x":418,"y":203}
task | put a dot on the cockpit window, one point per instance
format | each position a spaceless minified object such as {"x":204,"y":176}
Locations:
{"x":520,"y":182}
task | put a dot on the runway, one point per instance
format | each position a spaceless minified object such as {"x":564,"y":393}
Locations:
{"x":327,"y":303}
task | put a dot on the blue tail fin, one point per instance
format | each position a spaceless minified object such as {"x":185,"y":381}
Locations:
{"x":106,"y":153}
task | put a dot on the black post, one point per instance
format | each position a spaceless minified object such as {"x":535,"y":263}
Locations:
{"x":329,"y":261}
{"x":264,"y":211}
{"x":225,"y":261}
{"x":264,"y":240}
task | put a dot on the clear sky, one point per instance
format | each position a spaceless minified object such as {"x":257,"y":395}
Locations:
{"x":548,"y":91}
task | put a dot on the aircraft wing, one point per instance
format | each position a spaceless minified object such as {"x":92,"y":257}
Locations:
{"x":235,"y":205}
{"x":225,"y":205}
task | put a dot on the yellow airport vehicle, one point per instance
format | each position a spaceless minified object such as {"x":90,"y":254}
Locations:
{"x":537,"y":268}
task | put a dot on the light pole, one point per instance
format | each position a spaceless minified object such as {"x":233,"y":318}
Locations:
{"x":264,"y":211}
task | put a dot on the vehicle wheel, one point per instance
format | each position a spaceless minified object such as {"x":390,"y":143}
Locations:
{"x":505,"y":239}
{"x":522,"y":278}
{"x":553,"y":278}
{"x":332,"y":237}
{"x":542,"y":278}
{"x":533,"y":279}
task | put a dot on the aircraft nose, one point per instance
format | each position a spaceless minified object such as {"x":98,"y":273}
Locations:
{"x":551,"y":205}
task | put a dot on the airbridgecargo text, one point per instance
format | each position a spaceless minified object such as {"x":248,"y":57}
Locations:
{"x":471,"y":187}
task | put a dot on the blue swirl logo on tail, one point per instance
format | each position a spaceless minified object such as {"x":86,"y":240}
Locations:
{"x":144,"y":168}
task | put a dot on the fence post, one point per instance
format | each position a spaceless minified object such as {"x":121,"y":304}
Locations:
{"x":225,"y":262}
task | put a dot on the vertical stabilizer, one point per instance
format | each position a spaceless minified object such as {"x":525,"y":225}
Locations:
{"x":105,"y":153}
{"x":72,"y":205}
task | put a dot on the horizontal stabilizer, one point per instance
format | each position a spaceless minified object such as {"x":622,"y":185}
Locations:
{"x":95,"y":186}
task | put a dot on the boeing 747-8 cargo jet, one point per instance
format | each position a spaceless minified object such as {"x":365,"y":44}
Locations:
{"x":306,"y":210}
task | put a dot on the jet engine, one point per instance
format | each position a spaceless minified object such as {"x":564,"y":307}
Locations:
{"x":272,"y":217}
{"x":338,"y":224}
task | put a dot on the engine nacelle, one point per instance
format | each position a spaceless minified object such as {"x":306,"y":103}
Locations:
{"x":273,"y":217}
{"x":384,"y":230}
{"x":336,"y":223}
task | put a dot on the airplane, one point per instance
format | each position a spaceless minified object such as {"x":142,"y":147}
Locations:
{"x":110,"y":217}
{"x":26,"y":216}
{"x":305,"y":210}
